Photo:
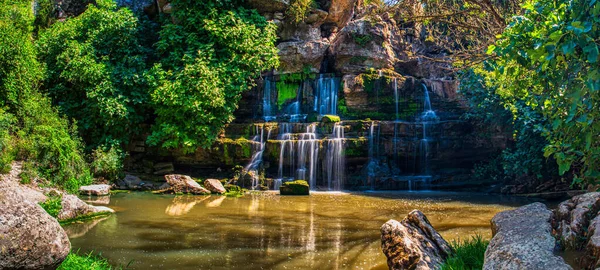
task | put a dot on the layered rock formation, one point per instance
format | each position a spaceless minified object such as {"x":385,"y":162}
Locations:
{"x":413,"y":243}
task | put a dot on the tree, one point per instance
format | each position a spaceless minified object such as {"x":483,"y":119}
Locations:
{"x":209,"y":53}
{"x":548,"y":59}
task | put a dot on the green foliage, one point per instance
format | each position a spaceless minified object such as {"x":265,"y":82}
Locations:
{"x":468,"y":255}
{"x":37,"y":133}
{"x":107,"y":163}
{"x":52,"y":205}
{"x":362,"y":39}
{"x":45,"y":14}
{"x":7,"y":151}
{"x":207,"y":61}
{"x":85,"y":262}
{"x":548,"y":60}
{"x":96,"y":71}
{"x":299,"y":9}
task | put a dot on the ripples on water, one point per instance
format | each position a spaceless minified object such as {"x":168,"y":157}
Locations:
{"x":268,"y":231}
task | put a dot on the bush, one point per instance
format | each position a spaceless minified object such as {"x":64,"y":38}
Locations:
{"x":467,"y":255}
{"x":52,"y":205}
{"x":7,"y":153}
{"x":107,"y":164}
{"x":85,"y":262}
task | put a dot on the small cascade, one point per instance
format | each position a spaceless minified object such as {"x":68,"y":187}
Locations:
{"x":326,"y":97}
{"x":293,"y":110}
{"x":267,"y":103}
{"x":259,"y":145}
{"x":335,"y":161}
{"x":373,"y":165}
{"x":301,"y":153}
{"x":427,"y":118}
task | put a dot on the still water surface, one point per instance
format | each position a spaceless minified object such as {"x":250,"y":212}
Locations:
{"x":268,"y":231}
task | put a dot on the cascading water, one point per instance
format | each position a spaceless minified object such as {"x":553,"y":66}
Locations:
{"x":335,"y":169}
{"x":267,"y":104}
{"x":302,"y":154}
{"x":259,"y":145}
{"x":427,"y":118}
{"x":326,"y":98}
{"x":373,"y":165}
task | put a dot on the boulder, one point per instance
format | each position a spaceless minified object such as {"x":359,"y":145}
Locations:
{"x":573,"y":216}
{"x":29,"y":237}
{"x":522,"y":239}
{"x":591,"y":260}
{"x":295,"y":56}
{"x":413,"y":243}
{"x":184,"y":184}
{"x":340,"y":11}
{"x":214,"y":186}
{"x":130,"y":182}
{"x":73,"y":207}
{"x":95,"y":190}
{"x":298,"y":187}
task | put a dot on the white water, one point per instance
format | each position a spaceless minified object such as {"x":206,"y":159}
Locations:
{"x":301,"y":154}
{"x":336,"y":165}
{"x":326,"y":97}
{"x":267,"y":104}
{"x":260,"y":141}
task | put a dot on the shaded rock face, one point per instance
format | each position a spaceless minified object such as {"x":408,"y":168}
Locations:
{"x":71,"y":8}
{"x":577,"y":225}
{"x":214,"y":185}
{"x":522,"y":239}
{"x":413,"y":243}
{"x":130,"y":182}
{"x":95,"y":190}
{"x":184,"y":184}
{"x":30,"y":238}
{"x":296,"y":55}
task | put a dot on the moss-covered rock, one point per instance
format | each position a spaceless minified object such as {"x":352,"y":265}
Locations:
{"x":298,"y":187}
{"x":330,"y":118}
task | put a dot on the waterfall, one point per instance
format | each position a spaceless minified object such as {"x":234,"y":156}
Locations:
{"x":259,"y":143}
{"x":302,"y":154}
{"x":373,"y":165}
{"x":427,"y":118}
{"x":267,"y":104}
{"x":326,"y":98}
{"x":335,"y":159}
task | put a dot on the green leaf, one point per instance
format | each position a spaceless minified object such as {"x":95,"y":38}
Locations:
{"x":592,"y":52}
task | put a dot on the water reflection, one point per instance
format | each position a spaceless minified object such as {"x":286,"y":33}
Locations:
{"x":321,"y":231}
{"x":181,"y":205}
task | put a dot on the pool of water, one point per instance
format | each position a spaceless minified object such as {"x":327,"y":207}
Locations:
{"x":268,"y":231}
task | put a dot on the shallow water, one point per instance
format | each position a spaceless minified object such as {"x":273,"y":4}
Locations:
{"x":268,"y":231}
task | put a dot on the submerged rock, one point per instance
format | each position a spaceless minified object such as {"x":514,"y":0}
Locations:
{"x":413,"y":243}
{"x":29,"y":237}
{"x":130,"y":182}
{"x":522,"y":239}
{"x":298,"y":187}
{"x":95,"y":190}
{"x":214,"y":185}
{"x":179,"y":183}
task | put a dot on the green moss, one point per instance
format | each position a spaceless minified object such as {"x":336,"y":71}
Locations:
{"x":286,"y":91}
{"x":298,"y":187}
{"x":328,"y":118}
{"x":467,"y":255}
{"x":85,"y":217}
{"x":117,"y":191}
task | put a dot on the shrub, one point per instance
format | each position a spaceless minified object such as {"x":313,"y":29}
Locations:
{"x":52,"y":205}
{"x":107,"y":164}
{"x":7,"y":154}
{"x":467,"y":255}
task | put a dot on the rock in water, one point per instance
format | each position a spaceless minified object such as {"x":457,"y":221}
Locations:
{"x":522,"y":239}
{"x":298,"y":187}
{"x":29,"y":237}
{"x":413,"y":243}
{"x":73,"y":207}
{"x":184,"y":184}
{"x":214,"y":185}
{"x":95,"y":190}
